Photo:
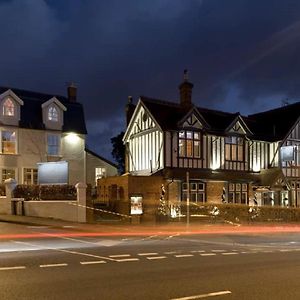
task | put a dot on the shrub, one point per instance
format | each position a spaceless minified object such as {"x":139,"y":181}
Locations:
{"x":45,"y":192}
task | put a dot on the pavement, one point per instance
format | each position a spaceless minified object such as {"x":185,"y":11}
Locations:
{"x":152,"y":228}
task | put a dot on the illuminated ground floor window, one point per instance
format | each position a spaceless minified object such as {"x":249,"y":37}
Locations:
{"x":30,"y":176}
{"x":197,"y":191}
{"x":238,"y":193}
{"x":8,"y":173}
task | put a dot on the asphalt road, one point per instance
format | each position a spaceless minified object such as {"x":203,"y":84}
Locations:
{"x":217,"y":266}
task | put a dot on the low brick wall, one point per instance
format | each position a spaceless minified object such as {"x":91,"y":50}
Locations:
{"x":63,"y":210}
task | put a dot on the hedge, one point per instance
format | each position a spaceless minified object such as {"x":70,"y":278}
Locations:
{"x":45,"y":192}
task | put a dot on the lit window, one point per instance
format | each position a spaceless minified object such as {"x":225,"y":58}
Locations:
{"x":8,"y":108}
{"x":238,"y":193}
{"x":8,"y":173}
{"x":53,"y":144}
{"x":234,"y":148}
{"x":99,"y":173}
{"x":8,"y":142}
{"x":197,"y":191}
{"x":52,"y":114}
{"x":30,"y":176}
{"x":189,"y":144}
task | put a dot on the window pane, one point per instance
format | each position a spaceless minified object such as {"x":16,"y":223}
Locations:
{"x":53,"y":144}
{"x":8,"y":173}
{"x":53,"y":114}
{"x":8,"y":142}
{"x":8,"y":108}
{"x":196,"y":149}
{"x":196,"y":135}
{"x":244,"y":198}
{"x":181,"y":147}
{"x":181,"y":134}
{"x":193,"y":186}
{"x":189,"y":148}
{"x":227,"y":152}
{"x":189,"y":135}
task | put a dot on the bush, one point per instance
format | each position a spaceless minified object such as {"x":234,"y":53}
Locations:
{"x":45,"y":192}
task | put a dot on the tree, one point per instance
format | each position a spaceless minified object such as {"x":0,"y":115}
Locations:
{"x":118,"y":151}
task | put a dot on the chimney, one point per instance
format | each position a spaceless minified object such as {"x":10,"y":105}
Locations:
{"x":72,"y":92}
{"x":185,"y":89}
{"x":129,"y":109}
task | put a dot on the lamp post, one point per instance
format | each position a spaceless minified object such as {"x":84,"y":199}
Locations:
{"x":188,"y":199}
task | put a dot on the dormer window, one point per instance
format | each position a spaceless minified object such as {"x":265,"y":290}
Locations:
{"x":53,"y":114}
{"x":8,"y":108}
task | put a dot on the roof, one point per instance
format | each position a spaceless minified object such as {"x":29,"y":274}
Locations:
{"x":100,"y":157}
{"x":31,"y":111}
{"x":272,"y":125}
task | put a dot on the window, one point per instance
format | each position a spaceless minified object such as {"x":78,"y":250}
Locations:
{"x":189,"y":144}
{"x":99,"y":173}
{"x":30,"y":176}
{"x":53,"y":114}
{"x":53,"y":143}
{"x":197,"y":191}
{"x":8,"y":142}
{"x":8,"y":108}
{"x":234,"y":148}
{"x":8,"y":173}
{"x":238,"y":193}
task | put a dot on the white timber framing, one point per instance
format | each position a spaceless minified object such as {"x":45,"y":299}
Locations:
{"x":145,"y":142}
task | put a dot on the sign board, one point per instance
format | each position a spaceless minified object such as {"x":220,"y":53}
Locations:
{"x":136,"y":205}
{"x":287,"y":153}
{"x":53,"y":173}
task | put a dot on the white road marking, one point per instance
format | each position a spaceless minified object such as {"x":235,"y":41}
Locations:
{"x":208,"y":254}
{"x":203,"y":295}
{"x":67,"y":251}
{"x":93,"y":262}
{"x":149,"y":237}
{"x":119,"y":255}
{"x":285,"y":250}
{"x":218,"y":250}
{"x":229,"y":253}
{"x":156,"y":257}
{"x":53,"y":265}
{"x":12,"y":268}
{"x":146,"y":254}
{"x":127,"y":259}
{"x":37,"y":227}
{"x":183,"y":255}
{"x":198,"y":251}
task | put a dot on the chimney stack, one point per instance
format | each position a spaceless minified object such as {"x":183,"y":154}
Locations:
{"x":185,"y":89}
{"x":72,"y":92}
{"x":129,"y":109}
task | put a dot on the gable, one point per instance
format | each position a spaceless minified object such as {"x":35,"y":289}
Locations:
{"x":141,"y":121}
{"x":238,"y":126}
{"x":193,"y":121}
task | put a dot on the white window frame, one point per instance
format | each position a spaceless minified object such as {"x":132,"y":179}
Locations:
{"x":9,"y":111}
{"x":31,"y":175}
{"x":11,"y":169}
{"x":100,"y":172}
{"x":53,"y":113}
{"x":58,"y":153}
{"x":16,"y":141}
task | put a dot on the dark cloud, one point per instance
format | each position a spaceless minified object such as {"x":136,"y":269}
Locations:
{"x":242,"y":54}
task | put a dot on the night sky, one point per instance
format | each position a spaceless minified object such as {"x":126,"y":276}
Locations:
{"x":242,"y":55}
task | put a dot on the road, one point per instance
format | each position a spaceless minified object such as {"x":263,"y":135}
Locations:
{"x":148,"y":266}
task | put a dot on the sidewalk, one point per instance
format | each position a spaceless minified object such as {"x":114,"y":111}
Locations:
{"x":100,"y":229}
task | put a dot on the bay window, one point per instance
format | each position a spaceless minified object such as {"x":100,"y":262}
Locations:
{"x":189,"y":144}
{"x":234,"y":148}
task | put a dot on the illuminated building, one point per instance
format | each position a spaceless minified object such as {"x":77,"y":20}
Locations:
{"x":39,"y":129}
{"x":229,"y":157}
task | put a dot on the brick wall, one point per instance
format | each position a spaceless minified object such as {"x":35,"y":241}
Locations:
{"x":214,"y":191}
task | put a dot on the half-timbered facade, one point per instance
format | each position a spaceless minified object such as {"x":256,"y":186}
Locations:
{"x":227,"y":157}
